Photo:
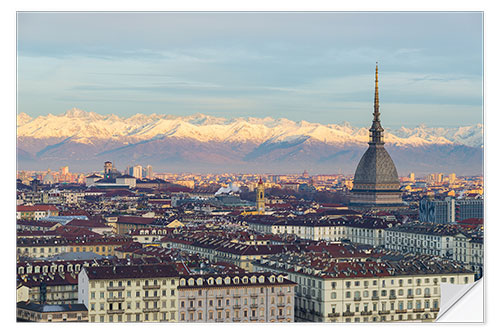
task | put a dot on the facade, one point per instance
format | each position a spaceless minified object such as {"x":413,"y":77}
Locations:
{"x":368,"y":231}
{"x":251,"y":297}
{"x":437,"y":211}
{"x":365,"y":291}
{"x":420,"y":238}
{"x":331,"y":230}
{"x":376,"y":182}
{"x":469,"y":208}
{"x":145,"y":293}
{"x":27,"y":311}
{"x":36,"y":212}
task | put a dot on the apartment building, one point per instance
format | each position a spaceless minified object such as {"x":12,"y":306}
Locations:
{"x":422,"y":238}
{"x":368,"y":231}
{"x":59,"y":288}
{"x":47,"y":247}
{"x":446,"y":241}
{"x":33,"y":312}
{"x":36,"y":212}
{"x":329,"y":291}
{"x":223,"y":249}
{"x":313,"y":229}
{"x":249,"y":297}
{"x":135,"y":293}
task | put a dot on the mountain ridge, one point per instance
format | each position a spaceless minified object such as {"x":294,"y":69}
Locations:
{"x":203,"y":143}
{"x":81,"y":124}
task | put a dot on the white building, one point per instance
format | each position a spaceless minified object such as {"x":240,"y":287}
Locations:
{"x":365,"y":291}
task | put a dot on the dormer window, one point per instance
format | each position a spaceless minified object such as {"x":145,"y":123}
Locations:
{"x":199,"y":281}
{"x":227,"y":280}
{"x":244,"y":280}
{"x":280,"y":278}
{"x":236,"y":280}
{"x":210,"y":281}
{"x":253,"y":279}
{"x":218,"y":280}
{"x":261,"y":279}
{"x":182,"y":282}
{"x":191,"y":282}
{"x":272,"y":279}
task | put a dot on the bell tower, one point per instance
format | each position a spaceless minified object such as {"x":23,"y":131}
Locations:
{"x":261,"y":204}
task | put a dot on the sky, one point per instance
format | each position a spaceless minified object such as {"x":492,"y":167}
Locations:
{"x":316,"y":66}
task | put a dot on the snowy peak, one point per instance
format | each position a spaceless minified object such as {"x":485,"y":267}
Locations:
{"x":79,"y":125}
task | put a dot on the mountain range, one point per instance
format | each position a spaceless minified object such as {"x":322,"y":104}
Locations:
{"x":201,"y":143}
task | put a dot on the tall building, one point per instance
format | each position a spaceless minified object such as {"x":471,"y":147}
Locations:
{"x":452,"y":178}
{"x":137,"y":172}
{"x":261,"y":204}
{"x":437,"y":211}
{"x":149,"y":172}
{"x":376,"y":182}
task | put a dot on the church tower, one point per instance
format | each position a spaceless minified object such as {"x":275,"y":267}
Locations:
{"x":261,"y":204}
{"x":376,"y":182}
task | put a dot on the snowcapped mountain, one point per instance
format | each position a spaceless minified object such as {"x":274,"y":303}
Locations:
{"x":79,"y":124}
{"x":167,"y":140}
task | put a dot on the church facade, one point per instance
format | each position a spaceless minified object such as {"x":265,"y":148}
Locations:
{"x":376,"y":182}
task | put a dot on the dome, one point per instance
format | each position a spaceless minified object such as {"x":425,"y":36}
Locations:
{"x":376,"y":167}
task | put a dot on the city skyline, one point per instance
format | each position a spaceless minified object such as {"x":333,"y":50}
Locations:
{"x":223,"y":64}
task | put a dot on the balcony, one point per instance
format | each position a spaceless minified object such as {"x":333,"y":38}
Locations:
{"x":281,"y":293}
{"x":375,"y":298}
{"x":366,"y":313}
{"x":254,"y":295}
{"x":219,"y":307}
{"x":151,"y":298}
{"x":335,"y":314}
{"x":254,"y":318}
{"x":191,"y":298}
{"x":115,"y":288}
{"x":115,"y":299}
{"x":427,"y":296}
{"x":282,"y":317}
{"x":400,"y":311}
{"x":116,"y":311}
{"x":236,"y":306}
{"x":254,"y":305}
{"x":307,"y":296}
{"x":348,"y":314}
{"x":418,"y":310}
{"x":191,"y":308}
{"x":219,"y":320}
{"x":384,"y":312}
{"x":154,"y":286}
{"x":357,"y":299}
{"x":392,"y":296}
{"x":236,"y":320}
{"x":281,"y":304}
{"x":435,"y":310}
{"x":151,"y":310}
{"x":409,"y":296}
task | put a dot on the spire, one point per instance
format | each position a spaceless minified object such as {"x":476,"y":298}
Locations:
{"x":376,"y":131}
{"x":376,"y":104}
